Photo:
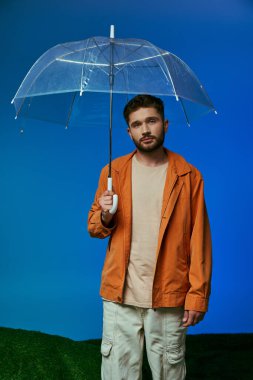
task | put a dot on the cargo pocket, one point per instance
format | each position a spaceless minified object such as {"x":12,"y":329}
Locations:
{"x":175,"y":354}
{"x":106,"y":347}
{"x":107,"y":364}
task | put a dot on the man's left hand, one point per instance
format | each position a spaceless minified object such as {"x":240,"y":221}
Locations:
{"x":192,"y":317}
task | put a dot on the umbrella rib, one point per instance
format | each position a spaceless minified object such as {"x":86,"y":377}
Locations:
{"x":101,"y":51}
{"x":82,"y":80}
{"x":211,"y":106}
{"x":78,"y":50}
{"x":185,"y":114}
{"x":21,"y":106}
{"x":127,"y":55}
{"x":132,"y":52}
{"x":125,"y":73}
{"x":70,"y":110}
{"x":100,"y":65}
{"x":168,"y":71}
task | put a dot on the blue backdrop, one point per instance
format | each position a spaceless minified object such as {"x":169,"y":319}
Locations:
{"x":49,"y":266}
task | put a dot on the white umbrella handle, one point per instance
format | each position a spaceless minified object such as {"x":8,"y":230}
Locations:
{"x":114,"y":197}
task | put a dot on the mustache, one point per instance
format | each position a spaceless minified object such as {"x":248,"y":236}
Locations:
{"x":147,"y":136}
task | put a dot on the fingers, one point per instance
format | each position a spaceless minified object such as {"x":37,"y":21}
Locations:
{"x":186,"y":315}
{"x":192,"y":317}
{"x":108,"y":192}
{"x":106,"y":200}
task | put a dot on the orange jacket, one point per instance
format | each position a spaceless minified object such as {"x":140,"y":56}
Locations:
{"x":184,"y":250}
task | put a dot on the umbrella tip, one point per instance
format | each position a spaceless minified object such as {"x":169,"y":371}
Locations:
{"x":112,"y":31}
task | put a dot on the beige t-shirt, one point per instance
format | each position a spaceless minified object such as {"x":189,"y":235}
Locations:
{"x":147,"y":194}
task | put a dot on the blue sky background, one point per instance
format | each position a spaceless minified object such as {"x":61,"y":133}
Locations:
{"x":49,"y":266}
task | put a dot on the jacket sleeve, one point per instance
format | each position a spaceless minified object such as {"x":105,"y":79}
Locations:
{"x":200,"y":270}
{"x":95,"y":225}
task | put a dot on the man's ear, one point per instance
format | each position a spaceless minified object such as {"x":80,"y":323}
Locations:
{"x":129,"y":132}
{"x":166,"y":125}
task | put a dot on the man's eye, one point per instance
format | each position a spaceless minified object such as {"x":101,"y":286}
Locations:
{"x":152,"y":120}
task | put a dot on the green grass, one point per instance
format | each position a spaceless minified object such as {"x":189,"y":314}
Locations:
{"x":31,"y":355}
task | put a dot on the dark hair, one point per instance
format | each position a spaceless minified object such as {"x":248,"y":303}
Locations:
{"x":143,"y":101}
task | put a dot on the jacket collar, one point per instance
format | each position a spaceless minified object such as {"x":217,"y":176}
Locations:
{"x":177,"y":163}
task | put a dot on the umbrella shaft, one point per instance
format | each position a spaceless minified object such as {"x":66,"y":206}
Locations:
{"x":111,"y":82}
{"x":110,"y":133}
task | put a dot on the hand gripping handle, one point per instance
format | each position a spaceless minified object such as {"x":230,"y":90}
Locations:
{"x":114,"y":197}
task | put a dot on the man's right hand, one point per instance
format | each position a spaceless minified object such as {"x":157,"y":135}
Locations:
{"x":106,"y":201}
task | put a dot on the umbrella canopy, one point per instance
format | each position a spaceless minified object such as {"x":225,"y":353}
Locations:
{"x":101,"y":64}
{"x":106,"y":65}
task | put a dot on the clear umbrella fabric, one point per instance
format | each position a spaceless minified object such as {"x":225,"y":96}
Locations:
{"x":106,"y":65}
{"x":75,"y":68}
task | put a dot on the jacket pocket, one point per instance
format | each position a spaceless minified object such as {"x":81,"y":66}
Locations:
{"x":106,"y":347}
{"x":175,"y":354}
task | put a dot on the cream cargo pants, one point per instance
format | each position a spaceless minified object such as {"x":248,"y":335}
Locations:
{"x":124,"y":328}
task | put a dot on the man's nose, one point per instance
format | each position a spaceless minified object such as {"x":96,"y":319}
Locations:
{"x":145,"y":128}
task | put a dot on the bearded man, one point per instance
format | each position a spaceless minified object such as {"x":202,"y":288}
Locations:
{"x":156,"y":279}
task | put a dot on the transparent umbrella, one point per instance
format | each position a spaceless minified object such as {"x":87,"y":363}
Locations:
{"x":55,"y":86}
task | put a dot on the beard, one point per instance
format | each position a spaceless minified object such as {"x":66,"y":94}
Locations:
{"x":151,"y":147}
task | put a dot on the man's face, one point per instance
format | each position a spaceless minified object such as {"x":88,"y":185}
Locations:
{"x":147,"y":129}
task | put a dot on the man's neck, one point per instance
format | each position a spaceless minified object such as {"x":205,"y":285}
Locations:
{"x":155,"y":158}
